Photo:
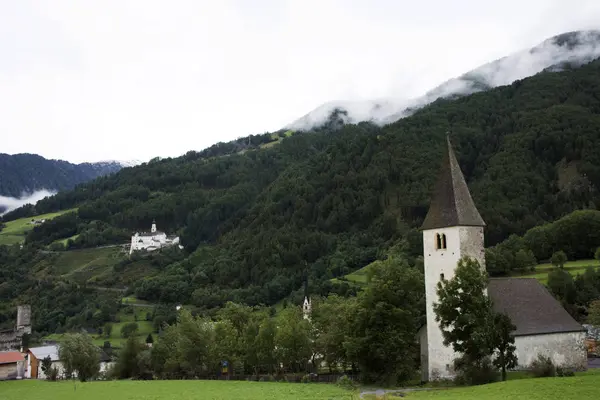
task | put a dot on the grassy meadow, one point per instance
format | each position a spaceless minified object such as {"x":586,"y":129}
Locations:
{"x":573,"y":267}
{"x":172,"y":390}
{"x":360,"y":276}
{"x":581,"y":387}
{"x":133,"y":314}
{"x":15,"y":231}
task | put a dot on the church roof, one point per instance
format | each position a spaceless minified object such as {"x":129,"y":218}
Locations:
{"x":451,"y":202}
{"x":530,"y":306}
{"x":151,"y":234}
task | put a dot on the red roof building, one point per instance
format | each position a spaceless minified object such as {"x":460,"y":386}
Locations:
{"x":11,"y":365}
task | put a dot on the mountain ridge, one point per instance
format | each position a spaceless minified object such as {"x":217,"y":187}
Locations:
{"x":23,"y":176}
{"x":554,"y":54}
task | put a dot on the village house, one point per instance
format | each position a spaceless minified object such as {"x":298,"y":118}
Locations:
{"x":452,"y":229}
{"x":12,"y":365}
{"x":35,"y":355}
{"x":152,"y":240}
{"x":106,"y":361}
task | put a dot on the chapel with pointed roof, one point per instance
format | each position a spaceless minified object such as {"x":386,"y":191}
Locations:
{"x":453,"y":229}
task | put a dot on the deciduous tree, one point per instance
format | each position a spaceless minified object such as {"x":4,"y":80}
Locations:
{"x":559,"y":259}
{"x":470,"y":325}
{"x":594,"y":313}
{"x":381,"y":338}
{"x":503,"y":342}
{"x":80,"y":355}
{"x":292,"y":340}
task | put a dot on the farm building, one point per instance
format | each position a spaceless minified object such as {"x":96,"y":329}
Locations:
{"x":35,"y":355}
{"x":12,"y":365}
{"x":106,"y":361}
{"x":452,"y":229}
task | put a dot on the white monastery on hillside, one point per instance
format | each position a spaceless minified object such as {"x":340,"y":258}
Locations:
{"x":152,"y":240}
{"x":453,"y":228}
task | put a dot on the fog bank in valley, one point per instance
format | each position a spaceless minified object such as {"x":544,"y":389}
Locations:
{"x":10,"y":203}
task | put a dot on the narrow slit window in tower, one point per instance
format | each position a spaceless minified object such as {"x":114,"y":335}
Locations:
{"x":443,"y":240}
{"x":438,"y":242}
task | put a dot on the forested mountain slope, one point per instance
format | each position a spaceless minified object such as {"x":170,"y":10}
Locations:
{"x":26,"y":173}
{"x":329,"y":202}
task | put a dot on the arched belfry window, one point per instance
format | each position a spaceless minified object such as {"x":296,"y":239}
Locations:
{"x":443,"y":240}
{"x":438,"y":241}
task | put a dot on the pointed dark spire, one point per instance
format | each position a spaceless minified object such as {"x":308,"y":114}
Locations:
{"x":451,"y":202}
{"x":306,"y":284}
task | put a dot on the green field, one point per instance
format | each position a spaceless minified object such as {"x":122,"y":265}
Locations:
{"x":358,"y":277}
{"x":573,"y":267}
{"x":15,"y":231}
{"x":115,"y":339}
{"x":581,"y":387}
{"x":276,"y":139}
{"x":65,"y":240}
{"x":172,"y":390}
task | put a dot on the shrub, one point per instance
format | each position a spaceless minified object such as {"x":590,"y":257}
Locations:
{"x":559,"y":259}
{"x":305,"y":379}
{"x":560,"y":371}
{"x":543,"y":367}
{"x":345,"y":382}
{"x":475,"y":372}
{"x":57,"y":246}
{"x":129,"y":329}
{"x":52,"y":374}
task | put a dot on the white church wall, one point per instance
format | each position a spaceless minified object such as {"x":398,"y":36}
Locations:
{"x":439,"y":262}
{"x":424,"y":353}
{"x":471,"y":243}
{"x":565,"y":349}
{"x":460,"y":241}
{"x":151,"y":242}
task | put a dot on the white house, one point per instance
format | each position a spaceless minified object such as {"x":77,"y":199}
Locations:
{"x":152,"y":240}
{"x":35,"y":355}
{"x":452,"y":229}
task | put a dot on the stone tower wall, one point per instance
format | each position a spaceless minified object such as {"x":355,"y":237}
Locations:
{"x":23,"y":316}
{"x":12,"y":339}
{"x":460,"y":241}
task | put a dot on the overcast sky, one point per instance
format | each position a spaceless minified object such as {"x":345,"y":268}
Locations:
{"x":114,"y":79}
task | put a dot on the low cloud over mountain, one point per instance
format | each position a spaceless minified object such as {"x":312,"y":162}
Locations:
{"x":556,"y":53}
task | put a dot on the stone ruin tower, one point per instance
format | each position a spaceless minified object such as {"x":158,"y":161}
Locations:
{"x":12,"y":339}
{"x":23,"y":320}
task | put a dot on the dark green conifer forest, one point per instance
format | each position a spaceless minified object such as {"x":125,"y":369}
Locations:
{"x":255,"y":219}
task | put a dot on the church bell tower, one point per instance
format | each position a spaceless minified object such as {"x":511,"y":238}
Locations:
{"x":452,"y":229}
